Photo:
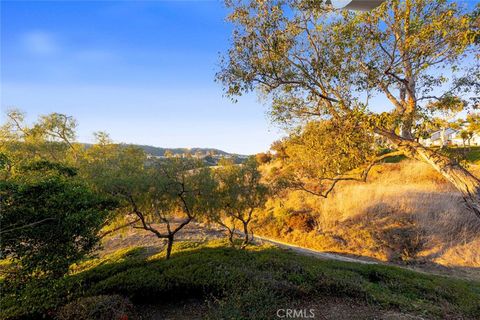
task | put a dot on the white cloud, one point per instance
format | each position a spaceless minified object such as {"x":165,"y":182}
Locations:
{"x":44,"y":43}
{"x":40,"y":42}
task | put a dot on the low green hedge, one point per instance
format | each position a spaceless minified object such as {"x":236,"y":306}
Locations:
{"x":243,"y":284}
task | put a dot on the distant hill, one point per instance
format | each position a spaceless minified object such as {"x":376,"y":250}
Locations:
{"x":160,"y":152}
{"x":210,"y":155}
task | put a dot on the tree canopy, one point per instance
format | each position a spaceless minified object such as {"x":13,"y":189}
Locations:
{"x":412,"y":58}
{"x":240,"y":193}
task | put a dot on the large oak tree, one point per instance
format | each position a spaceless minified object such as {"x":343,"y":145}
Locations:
{"x":411,"y":58}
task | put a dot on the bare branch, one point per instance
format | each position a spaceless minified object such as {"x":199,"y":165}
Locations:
{"x":299,"y":185}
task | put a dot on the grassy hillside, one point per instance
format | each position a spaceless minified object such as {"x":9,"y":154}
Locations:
{"x":226,"y":283}
{"x":470,"y":154}
{"x":406,"y":212}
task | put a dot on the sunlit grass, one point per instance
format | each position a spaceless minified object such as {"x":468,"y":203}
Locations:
{"x":402,"y":206}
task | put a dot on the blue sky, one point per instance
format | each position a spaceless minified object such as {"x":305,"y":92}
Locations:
{"x":142,"y":71}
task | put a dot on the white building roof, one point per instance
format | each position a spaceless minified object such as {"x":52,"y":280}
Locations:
{"x":437,"y":135}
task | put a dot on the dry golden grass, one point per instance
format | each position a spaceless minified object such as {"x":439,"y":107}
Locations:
{"x":404,"y":212}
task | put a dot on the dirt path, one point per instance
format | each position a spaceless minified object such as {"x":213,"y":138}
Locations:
{"x":130,"y":237}
{"x":313,"y":253}
{"x":426,"y":268}
{"x":201,"y":232}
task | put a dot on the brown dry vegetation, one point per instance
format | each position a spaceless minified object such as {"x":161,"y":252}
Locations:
{"x":405,"y":212}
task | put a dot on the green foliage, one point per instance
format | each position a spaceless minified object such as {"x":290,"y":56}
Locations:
{"x":183,"y":185}
{"x":313,"y":63}
{"x":4,"y":161}
{"x":447,"y":105}
{"x":253,"y":283}
{"x":112,"y":168}
{"x":321,"y":153}
{"x":240,"y":193}
{"x":44,"y":167}
{"x":51,"y":137}
{"x":157,"y":188}
{"x":327,"y":149}
{"x":241,"y":187}
{"x":150,"y":190}
{"x":49,"y":219}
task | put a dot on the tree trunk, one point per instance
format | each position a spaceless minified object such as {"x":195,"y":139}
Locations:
{"x":466,"y":183}
{"x":169,"y":246}
{"x":231,"y":233}
{"x":246,"y":239}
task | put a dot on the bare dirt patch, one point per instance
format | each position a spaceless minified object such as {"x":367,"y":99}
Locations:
{"x":130,"y":237}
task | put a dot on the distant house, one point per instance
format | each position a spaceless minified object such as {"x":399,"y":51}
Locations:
{"x":437,"y":140}
{"x":449,"y":137}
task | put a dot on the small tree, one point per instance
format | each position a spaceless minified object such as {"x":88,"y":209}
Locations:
{"x":466,"y":136}
{"x":151,"y":191}
{"x":473,"y":126}
{"x":241,"y":192}
{"x":51,"y":137}
{"x":178,"y":188}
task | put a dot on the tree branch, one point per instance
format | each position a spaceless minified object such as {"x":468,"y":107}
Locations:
{"x":363,"y":176}
{"x":27,"y":225}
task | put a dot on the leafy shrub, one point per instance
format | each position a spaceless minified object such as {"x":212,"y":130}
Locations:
{"x":41,"y":297}
{"x":263,"y":158}
{"x":49,"y":220}
{"x":103,"y":307}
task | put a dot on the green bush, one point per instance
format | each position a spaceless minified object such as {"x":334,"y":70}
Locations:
{"x":49,"y":219}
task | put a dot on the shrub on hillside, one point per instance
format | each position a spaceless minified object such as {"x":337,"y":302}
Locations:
{"x":49,"y":219}
{"x":302,"y":221}
{"x":263,"y":158}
